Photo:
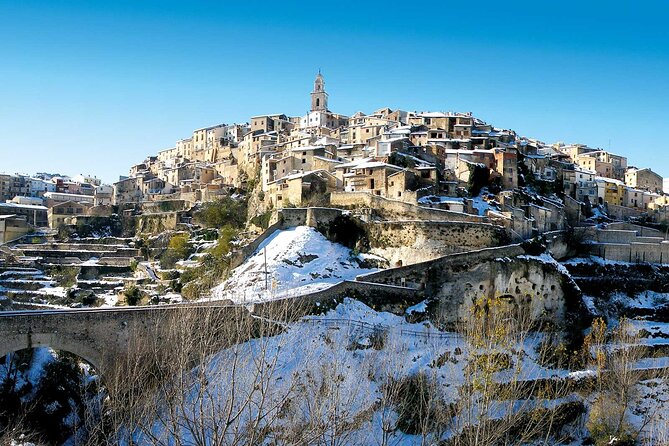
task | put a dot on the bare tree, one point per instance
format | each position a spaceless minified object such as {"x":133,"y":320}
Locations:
{"x":499,"y":401}
{"x":199,"y":376}
{"x":615,"y":354}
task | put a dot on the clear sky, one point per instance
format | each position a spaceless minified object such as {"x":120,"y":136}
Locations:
{"x":95,"y":86}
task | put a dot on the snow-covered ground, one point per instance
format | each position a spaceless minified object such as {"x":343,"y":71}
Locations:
{"x":33,"y":372}
{"x":335,"y":364}
{"x":432,"y":199}
{"x":645,"y":299}
{"x":298,"y":260}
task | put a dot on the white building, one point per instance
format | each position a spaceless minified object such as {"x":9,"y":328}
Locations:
{"x":61,"y":197}
{"x":38,"y":187}
{"x":319,"y":118}
{"x":86,"y":179}
{"x":665,"y":185}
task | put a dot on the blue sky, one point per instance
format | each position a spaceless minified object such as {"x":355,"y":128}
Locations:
{"x":94,"y":87}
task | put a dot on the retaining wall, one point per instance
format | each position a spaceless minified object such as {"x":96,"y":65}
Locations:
{"x":632,"y":252}
{"x":632,"y":244}
{"x":398,"y":210}
{"x":418,"y":274}
{"x":406,"y":242}
{"x":378,"y":296}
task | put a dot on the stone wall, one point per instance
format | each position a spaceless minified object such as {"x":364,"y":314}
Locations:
{"x":378,"y":296}
{"x":615,"y":236}
{"x":240,"y":255}
{"x":312,"y":216}
{"x":407,"y":242}
{"x":157,"y":223}
{"x":418,"y":275}
{"x":630,"y":243}
{"x":641,"y":230}
{"x":161,"y":206}
{"x":398,"y":210}
{"x":318,"y":217}
{"x":632,"y":252}
{"x":622,"y":212}
{"x":291,"y":217}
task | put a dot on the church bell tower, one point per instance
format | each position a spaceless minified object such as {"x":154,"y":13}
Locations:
{"x":319,"y":98}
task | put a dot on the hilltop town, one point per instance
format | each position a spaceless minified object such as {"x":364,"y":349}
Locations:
{"x":377,"y":261}
{"x":440,"y":160}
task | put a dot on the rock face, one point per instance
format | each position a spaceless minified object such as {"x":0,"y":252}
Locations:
{"x":542,"y":291}
{"x":455,"y":283}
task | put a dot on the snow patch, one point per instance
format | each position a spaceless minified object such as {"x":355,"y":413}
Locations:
{"x":289,"y":263}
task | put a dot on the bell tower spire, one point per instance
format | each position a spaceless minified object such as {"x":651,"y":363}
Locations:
{"x":319,"y":97}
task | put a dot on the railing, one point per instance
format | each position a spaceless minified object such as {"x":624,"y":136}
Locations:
{"x":377,"y":328}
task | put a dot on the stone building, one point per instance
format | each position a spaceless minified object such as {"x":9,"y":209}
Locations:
{"x":12,"y":227}
{"x":298,"y":188}
{"x":58,"y":213}
{"x":34,"y":214}
{"x":367,"y":175}
{"x":644,"y":179}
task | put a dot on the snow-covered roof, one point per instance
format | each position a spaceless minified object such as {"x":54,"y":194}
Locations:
{"x":367,"y":163}
{"x":35,"y":207}
{"x":306,"y":148}
{"x":609,"y":180}
{"x":443,"y":115}
{"x":329,"y":160}
{"x":296,"y":175}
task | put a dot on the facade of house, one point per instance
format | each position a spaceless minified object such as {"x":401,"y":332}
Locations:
{"x":644,"y":179}
{"x":58,"y":213}
{"x":298,"y":188}
{"x":13,"y":227}
{"x":610,"y":191}
{"x":35,"y":215}
{"x":367,"y":175}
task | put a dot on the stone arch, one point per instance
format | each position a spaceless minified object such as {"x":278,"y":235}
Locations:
{"x":33,"y":340}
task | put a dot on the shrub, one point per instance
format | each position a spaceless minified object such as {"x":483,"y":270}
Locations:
{"x":177,"y":249}
{"x":65,"y":276}
{"x":226,"y":211}
{"x":418,"y":405}
{"x":262,"y":220}
{"x":194,"y":282}
{"x":132,"y":295}
{"x":605,"y":425}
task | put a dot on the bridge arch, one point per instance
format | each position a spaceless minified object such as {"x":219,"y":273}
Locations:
{"x":11,"y":344}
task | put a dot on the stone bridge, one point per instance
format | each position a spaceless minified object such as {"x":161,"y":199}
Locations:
{"x":97,"y":335}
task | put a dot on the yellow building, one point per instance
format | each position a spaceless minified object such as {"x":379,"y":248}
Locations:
{"x":610,"y":191}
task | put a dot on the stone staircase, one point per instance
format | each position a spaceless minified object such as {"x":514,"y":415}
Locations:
{"x":65,"y":273}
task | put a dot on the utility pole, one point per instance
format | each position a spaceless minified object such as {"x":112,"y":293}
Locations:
{"x":265,"y":251}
